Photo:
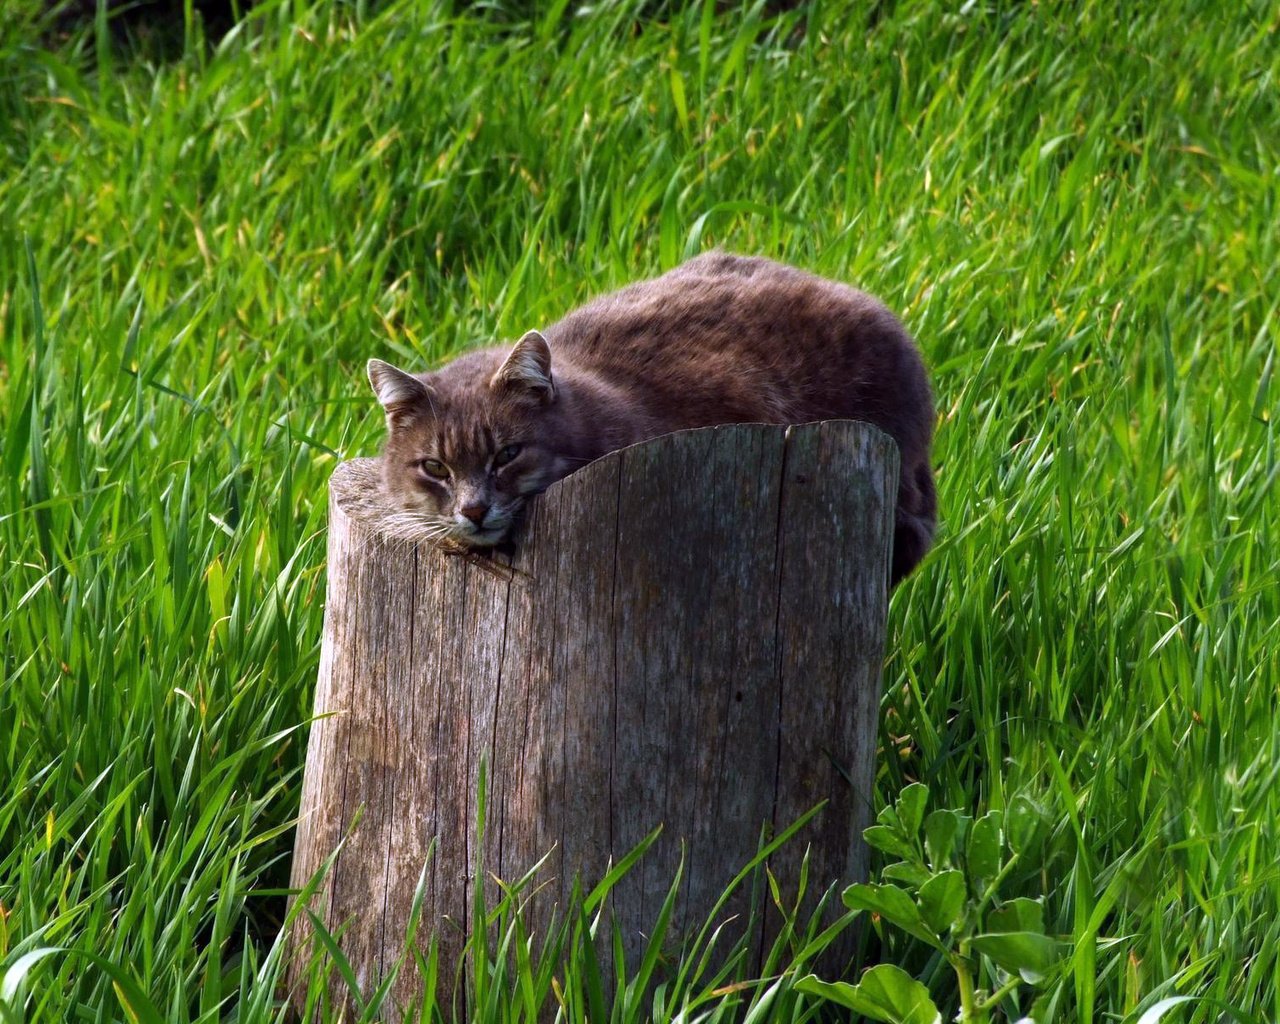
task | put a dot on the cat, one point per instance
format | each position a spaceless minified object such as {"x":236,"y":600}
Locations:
{"x":720,"y":339}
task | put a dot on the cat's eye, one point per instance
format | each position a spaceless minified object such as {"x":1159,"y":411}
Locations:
{"x":434,"y":468}
{"x":505,"y":455}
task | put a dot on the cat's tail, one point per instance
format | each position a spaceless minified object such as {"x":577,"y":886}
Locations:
{"x":914,"y":521}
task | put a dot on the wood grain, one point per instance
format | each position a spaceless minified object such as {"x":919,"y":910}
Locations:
{"x":692,"y":637}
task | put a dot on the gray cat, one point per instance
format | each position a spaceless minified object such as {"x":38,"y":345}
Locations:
{"x":720,"y":339}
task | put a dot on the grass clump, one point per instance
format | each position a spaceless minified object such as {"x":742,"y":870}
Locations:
{"x":1072,"y":206}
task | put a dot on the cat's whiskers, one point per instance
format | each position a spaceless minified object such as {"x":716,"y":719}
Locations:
{"x":416,"y":526}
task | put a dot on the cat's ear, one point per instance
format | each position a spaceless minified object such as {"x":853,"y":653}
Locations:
{"x":527,"y":369}
{"x":397,"y":391}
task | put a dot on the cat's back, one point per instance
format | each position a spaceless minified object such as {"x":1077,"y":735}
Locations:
{"x":721,"y":327}
{"x":710,"y":290}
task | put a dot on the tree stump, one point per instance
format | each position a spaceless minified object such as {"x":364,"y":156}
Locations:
{"x":691,"y":634}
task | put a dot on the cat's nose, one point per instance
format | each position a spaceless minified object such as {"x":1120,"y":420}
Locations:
{"x":475,"y":513}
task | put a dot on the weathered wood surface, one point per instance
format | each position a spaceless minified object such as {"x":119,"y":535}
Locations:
{"x":692,"y":636}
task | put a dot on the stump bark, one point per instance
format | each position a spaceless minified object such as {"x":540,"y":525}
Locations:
{"x":690,"y":635}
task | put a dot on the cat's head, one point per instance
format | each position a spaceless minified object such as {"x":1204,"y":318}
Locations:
{"x":468,"y":444}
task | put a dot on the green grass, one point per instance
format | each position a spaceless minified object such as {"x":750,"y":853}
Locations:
{"x":1074,"y":207}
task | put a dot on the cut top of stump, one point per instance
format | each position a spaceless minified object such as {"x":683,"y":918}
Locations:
{"x":683,"y":472}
